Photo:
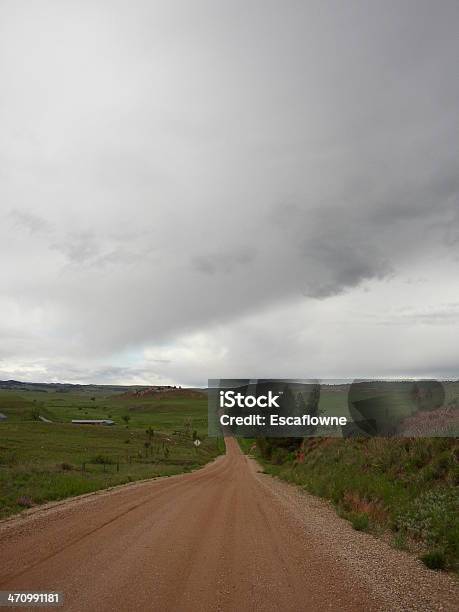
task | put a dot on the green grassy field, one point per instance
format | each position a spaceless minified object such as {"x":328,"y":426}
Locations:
{"x":40,"y":462}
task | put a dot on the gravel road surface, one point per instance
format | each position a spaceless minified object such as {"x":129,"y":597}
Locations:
{"x":223,"y":538}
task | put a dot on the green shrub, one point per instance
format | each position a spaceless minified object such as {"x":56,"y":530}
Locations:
{"x":435,"y":560}
{"x":360,"y":521}
{"x":400,"y":541}
{"x":102,"y":459}
{"x":25,"y":501}
{"x":432,"y":518}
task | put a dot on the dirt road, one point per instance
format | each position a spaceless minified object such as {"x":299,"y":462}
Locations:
{"x":223,"y":538}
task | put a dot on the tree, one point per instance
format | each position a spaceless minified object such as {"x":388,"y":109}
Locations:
{"x":126,"y":418}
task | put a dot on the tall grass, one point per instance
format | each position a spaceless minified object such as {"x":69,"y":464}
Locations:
{"x":407,"y":486}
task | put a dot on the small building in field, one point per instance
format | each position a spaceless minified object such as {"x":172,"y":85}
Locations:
{"x":3,"y":417}
{"x":93,"y":422}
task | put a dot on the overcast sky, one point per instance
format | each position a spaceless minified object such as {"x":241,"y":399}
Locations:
{"x":241,"y":188}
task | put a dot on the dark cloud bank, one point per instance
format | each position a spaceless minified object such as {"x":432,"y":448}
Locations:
{"x":177,"y":170}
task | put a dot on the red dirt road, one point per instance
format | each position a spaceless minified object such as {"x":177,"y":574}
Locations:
{"x":216,"y":539}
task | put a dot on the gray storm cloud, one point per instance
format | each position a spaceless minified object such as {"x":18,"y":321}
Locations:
{"x":169,"y":168}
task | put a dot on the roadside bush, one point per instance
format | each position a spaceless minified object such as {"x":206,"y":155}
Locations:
{"x":277,"y":447}
{"x":101,"y":460}
{"x":279,"y":455}
{"x":432,"y":518}
{"x":400,"y":541}
{"x":435,"y":560}
{"x":360,"y":521}
{"x":24,"y":501}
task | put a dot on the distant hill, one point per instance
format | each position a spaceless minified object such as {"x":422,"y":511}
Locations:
{"x":128,"y":390}
{"x":164,"y":391}
{"x":61,"y":387}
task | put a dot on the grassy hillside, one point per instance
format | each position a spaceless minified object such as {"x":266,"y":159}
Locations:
{"x":334,"y":400}
{"x":407,"y":488}
{"x":152,"y":436}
